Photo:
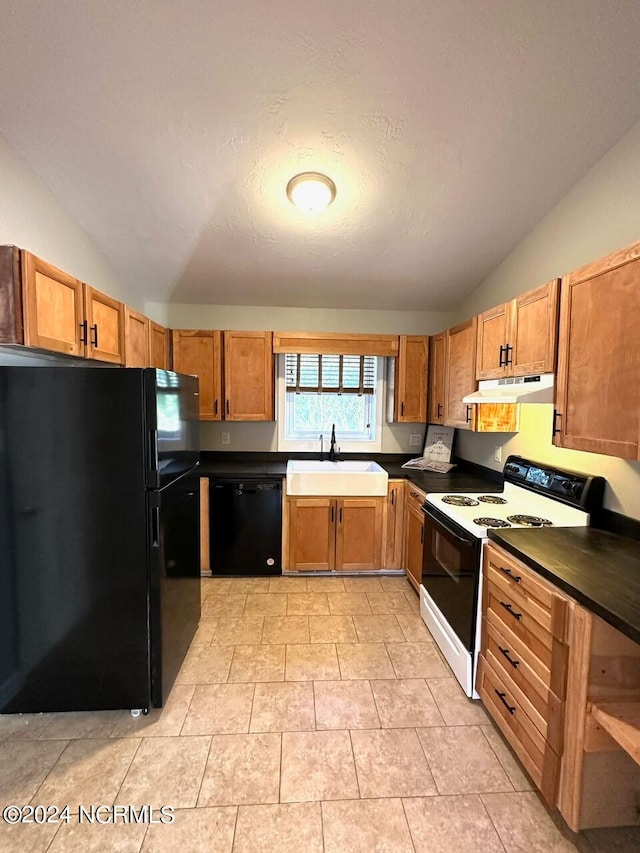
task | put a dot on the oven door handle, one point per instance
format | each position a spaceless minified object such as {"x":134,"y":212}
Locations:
{"x":451,"y":532}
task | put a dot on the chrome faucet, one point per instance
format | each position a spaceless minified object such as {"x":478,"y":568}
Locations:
{"x":321,"y":447}
{"x":333,"y":453}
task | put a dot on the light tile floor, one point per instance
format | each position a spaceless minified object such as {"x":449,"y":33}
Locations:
{"x":311,"y":714}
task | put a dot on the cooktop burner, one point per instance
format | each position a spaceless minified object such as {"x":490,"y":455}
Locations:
{"x":487,"y":521}
{"x":491,"y":499}
{"x":530,"y":520}
{"x":459,"y":500}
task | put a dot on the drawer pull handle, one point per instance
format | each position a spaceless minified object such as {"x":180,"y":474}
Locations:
{"x":510,"y":708}
{"x":505,"y":652}
{"x":510,"y":574}
{"x":509,"y":609}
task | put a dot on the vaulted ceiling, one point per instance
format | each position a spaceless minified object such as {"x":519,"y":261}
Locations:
{"x":169,"y":130}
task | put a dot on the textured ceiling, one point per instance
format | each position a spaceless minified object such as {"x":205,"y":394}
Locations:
{"x":169,"y":130}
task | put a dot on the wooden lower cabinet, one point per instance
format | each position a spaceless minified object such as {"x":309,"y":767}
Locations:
{"x":522,"y":669}
{"x":413,"y":534}
{"x":312,"y":534}
{"x":415,"y":545}
{"x":359,"y":534}
{"x":394,"y":526}
{"x":327,"y":534}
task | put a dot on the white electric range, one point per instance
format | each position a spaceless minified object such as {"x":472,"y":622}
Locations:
{"x":456,"y":531}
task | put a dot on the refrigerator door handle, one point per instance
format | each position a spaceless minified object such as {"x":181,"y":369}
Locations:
{"x":153,"y":450}
{"x":155,"y":527}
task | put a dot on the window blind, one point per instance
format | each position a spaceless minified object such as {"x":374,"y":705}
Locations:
{"x":344,"y":374}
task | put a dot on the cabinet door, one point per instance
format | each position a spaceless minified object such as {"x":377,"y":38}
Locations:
{"x":54,"y":307}
{"x":158,"y":346}
{"x":598,"y":391}
{"x":359,"y":534}
{"x":491,"y":344}
{"x":136,"y":338}
{"x":248,"y":376}
{"x":534,"y":331}
{"x":198,"y":353}
{"x":394,"y":525}
{"x":11,"y":314}
{"x":415,"y":543}
{"x":460,"y":374}
{"x":436,"y":379}
{"x":312,"y":534}
{"x":105,"y":318}
{"x":410,"y":398}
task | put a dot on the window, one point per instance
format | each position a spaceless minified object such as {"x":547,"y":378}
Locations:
{"x":316,"y":391}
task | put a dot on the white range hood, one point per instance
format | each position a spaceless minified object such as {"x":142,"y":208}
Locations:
{"x":520,"y":389}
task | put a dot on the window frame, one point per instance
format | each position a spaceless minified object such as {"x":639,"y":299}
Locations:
{"x":313,"y":446}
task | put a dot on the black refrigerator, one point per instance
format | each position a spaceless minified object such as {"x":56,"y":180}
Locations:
{"x":99,"y":536}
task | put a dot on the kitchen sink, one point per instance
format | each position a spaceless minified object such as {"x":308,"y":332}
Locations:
{"x":348,"y":477}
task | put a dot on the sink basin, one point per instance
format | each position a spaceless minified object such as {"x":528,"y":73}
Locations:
{"x":348,"y":477}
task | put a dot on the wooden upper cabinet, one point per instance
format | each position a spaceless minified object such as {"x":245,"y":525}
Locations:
{"x":534,"y":330}
{"x":460,"y":361}
{"x":491,"y":347}
{"x":11,"y":315}
{"x":105,"y":321}
{"x":136,"y":338}
{"x":248,"y":376}
{"x":410,"y":387}
{"x":359,"y":533}
{"x":437,"y":379}
{"x":519,"y":338}
{"x":598,"y":389}
{"x":199,"y":353}
{"x":53,"y":307}
{"x":312,"y":534}
{"x":158,"y":346}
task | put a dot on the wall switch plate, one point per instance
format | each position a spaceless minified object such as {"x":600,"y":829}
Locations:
{"x":497,"y":453}
{"x":225,"y":438}
{"x":415,"y":439}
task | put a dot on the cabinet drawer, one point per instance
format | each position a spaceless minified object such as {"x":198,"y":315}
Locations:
{"x":414,"y":496}
{"x":544,"y":711}
{"x":504,"y":609}
{"x":536,"y":754}
{"x":517,"y":576}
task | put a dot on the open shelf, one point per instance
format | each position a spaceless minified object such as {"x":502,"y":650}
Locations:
{"x":622,"y":721}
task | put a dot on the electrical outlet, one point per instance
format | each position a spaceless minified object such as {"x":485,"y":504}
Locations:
{"x":415,"y":439}
{"x":497,"y":453}
{"x":225,"y":438}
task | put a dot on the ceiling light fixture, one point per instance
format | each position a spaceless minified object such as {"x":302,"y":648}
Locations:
{"x":311,"y":191}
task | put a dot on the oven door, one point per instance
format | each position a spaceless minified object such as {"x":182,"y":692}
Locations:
{"x":451,"y":571}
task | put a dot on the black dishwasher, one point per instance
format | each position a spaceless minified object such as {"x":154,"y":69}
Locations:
{"x":245,"y":524}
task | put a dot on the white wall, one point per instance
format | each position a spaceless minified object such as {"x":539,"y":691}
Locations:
{"x":259,"y":318}
{"x":598,"y":216}
{"x":32,"y":218}
{"x":264,"y":436}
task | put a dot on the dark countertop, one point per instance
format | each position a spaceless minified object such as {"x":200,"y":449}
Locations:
{"x":465,"y":477}
{"x":600,"y":570}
